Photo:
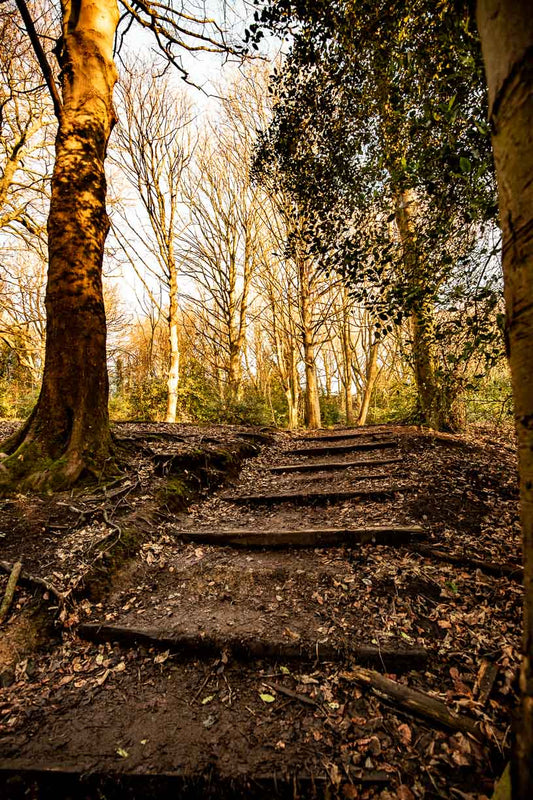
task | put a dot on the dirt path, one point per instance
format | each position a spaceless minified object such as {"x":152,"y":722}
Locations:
{"x":222,"y":662}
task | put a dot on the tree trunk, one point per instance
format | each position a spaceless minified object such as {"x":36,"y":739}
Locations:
{"x":506,"y":31}
{"x":68,"y":431}
{"x":174,"y":355}
{"x":312,"y":402}
{"x":422,"y":323}
{"x":371,"y":375}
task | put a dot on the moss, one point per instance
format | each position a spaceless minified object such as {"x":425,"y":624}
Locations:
{"x":176,"y":494}
{"x":115,"y":554}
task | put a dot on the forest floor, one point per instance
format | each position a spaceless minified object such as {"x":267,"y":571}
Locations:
{"x":232,"y":617}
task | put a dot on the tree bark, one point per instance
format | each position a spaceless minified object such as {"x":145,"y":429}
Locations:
{"x":422,"y":322}
{"x":174,"y":353}
{"x":68,"y":431}
{"x":506,"y":31}
{"x":312,"y":402}
{"x":371,"y":375}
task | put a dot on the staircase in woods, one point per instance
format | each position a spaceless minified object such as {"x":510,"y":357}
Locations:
{"x":252,"y":625}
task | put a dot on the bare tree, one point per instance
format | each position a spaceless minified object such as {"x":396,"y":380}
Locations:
{"x":153,"y":149}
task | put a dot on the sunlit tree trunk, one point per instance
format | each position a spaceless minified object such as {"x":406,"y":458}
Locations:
{"x":174,"y":351}
{"x":506,"y":30}
{"x":69,"y":427}
{"x":347,"y":358}
{"x":370,"y":380}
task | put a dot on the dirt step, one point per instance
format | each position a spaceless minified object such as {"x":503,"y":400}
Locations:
{"x":312,"y":466}
{"x":333,"y":449}
{"x":327,"y":537}
{"x":249,"y":647}
{"x":315,"y":498}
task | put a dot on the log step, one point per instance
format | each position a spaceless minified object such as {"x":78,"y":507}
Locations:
{"x":315,"y":466}
{"x":57,"y":779}
{"x":315,"y":498}
{"x":307,"y":478}
{"x":326,"y":537}
{"x":333,"y":449}
{"x":350,"y":435}
{"x":246,"y":648}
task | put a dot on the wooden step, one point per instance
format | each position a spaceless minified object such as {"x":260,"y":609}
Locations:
{"x":315,"y":498}
{"x":249,"y":648}
{"x":307,"y":478}
{"x":320,"y":537}
{"x":312,"y":466}
{"x":349,"y":435}
{"x":57,"y":778}
{"x":333,"y":449}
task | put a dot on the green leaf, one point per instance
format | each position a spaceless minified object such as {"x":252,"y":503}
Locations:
{"x":207,"y":699}
{"x":122,"y":753}
{"x":267,"y":698}
{"x":285,"y":670}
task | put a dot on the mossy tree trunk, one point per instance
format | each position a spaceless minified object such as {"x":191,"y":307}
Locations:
{"x":68,"y":431}
{"x":506,"y":31}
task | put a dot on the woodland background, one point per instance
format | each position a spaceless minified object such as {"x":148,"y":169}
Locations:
{"x":238,"y":292}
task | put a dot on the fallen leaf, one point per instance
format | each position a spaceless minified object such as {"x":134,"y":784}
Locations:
{"x":405,"y":733}
{"x":267,"y":698}
{"x":122,"y":753}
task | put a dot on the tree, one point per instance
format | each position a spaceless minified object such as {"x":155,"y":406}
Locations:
{"x":379,"y":135}
{"x":68,"y":431}
{"x":506,"y":31}
{"x":153,"y":149}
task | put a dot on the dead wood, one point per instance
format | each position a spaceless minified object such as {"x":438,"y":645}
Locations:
{"x":514,"y":571}
{"x":486,"y":677}
{"x":326,"y":537}
{"x":10,"y":590}
{"x":301,"y":698}
{"x":246,"y":648}
{"x":311,"y":498}
{"x":414,"y":700}
{"x":333,"y":465}
{"x":33,"y":580}
{"x":332,"y":449}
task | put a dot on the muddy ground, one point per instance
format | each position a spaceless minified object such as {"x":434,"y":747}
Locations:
{"x":144,"y":663}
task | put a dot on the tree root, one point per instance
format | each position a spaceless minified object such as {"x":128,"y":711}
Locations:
{"x":33,"y":580}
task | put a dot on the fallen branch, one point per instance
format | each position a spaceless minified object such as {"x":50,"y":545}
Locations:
{"x":10,"y":590}
{"x":490,"y":567}
{"x":301,"y":698}
{"x":486,"y":677}
{"x":33,"y":580}
{"x":414,"y":700}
